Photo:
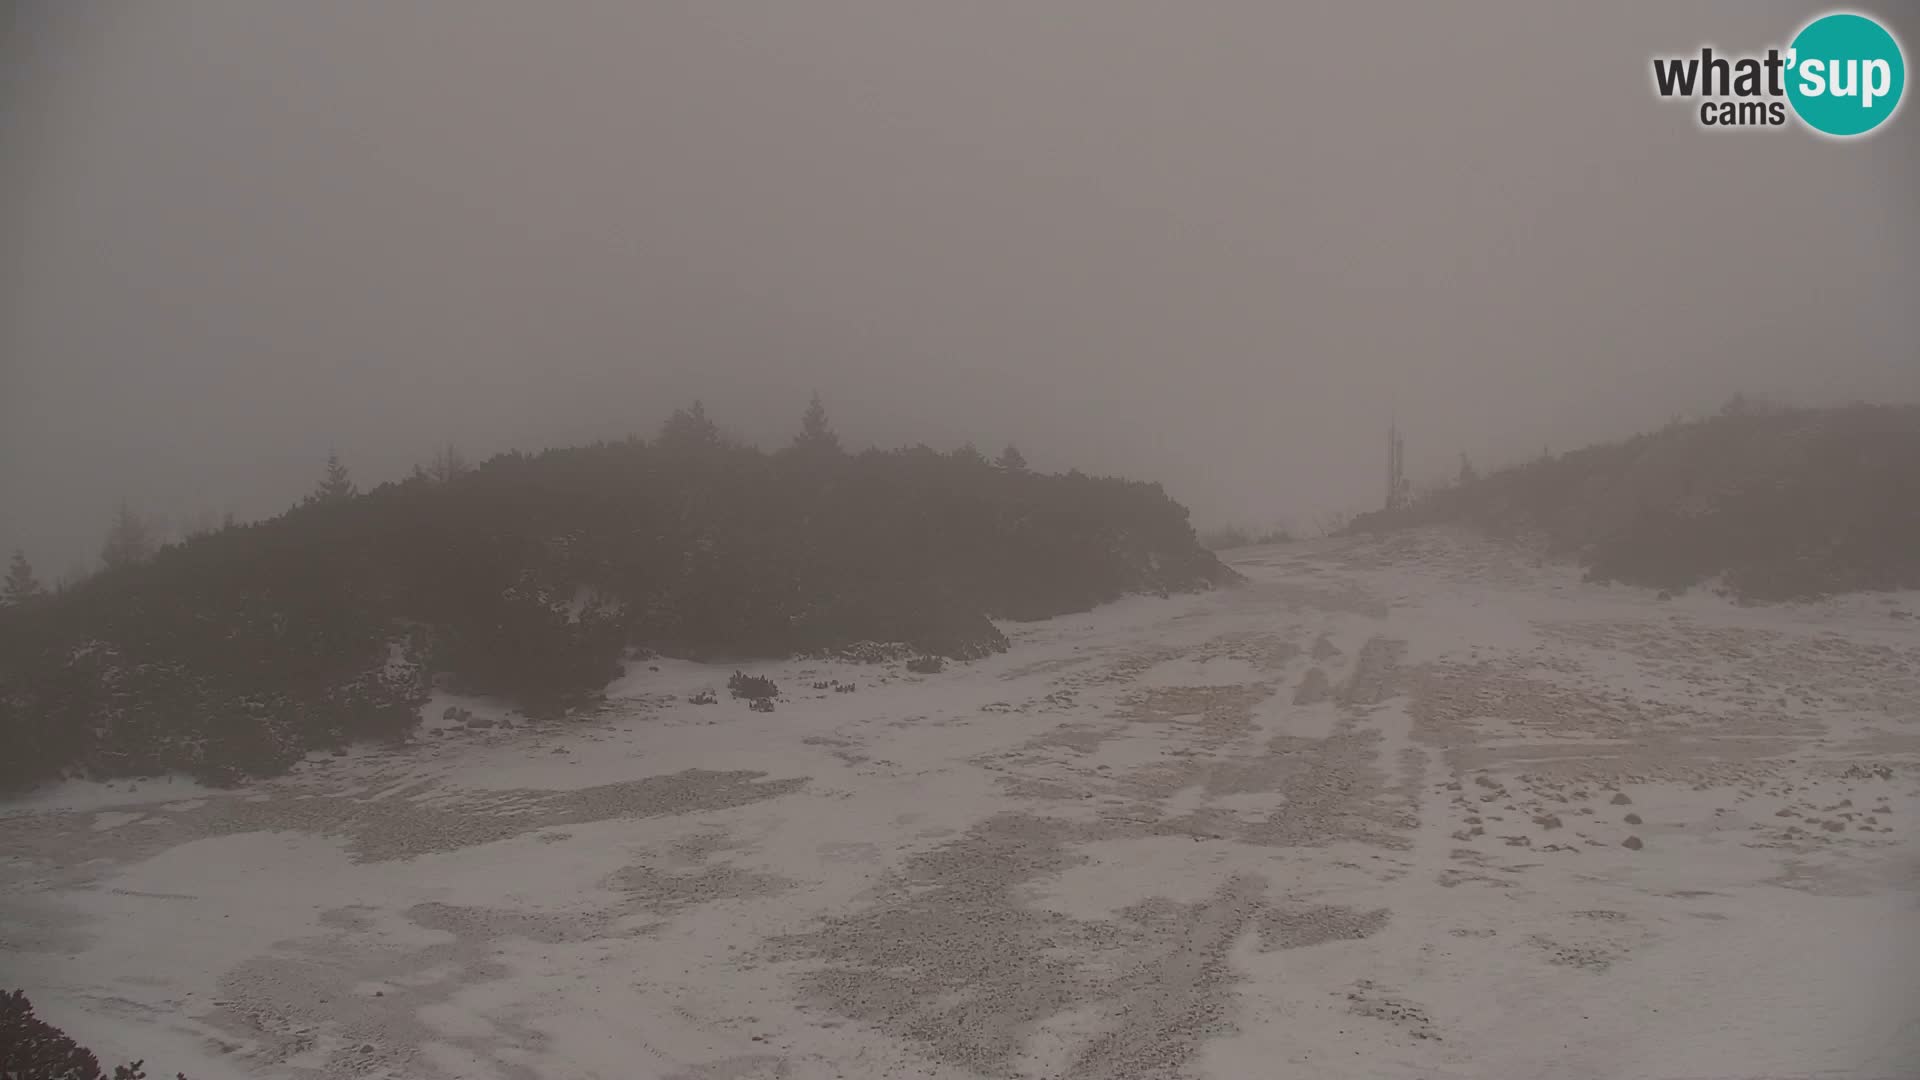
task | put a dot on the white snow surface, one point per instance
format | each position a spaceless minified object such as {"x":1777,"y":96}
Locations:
{"x":1367,"y":815}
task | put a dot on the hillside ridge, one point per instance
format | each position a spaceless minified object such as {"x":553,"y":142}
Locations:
{"x":1773,"y":504}
{"x":530,"y":577}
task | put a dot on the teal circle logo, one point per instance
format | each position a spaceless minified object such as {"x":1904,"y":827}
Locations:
{"x":1845,"y":74}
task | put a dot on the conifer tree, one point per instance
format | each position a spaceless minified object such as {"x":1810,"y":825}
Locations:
{"x":689,"y":429}
{"x":21,"y":586}
{"x":1468,"y":474}
{"x":1011,"y":460}
{"x":447,"y":463}
{"x":129,"y":540}
{"x":816,"y":434}
{"x":337,"y":484}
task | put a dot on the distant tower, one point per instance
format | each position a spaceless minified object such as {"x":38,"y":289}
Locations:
{"x":1396,"y":470}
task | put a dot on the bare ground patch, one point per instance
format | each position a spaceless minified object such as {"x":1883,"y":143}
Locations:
{"x":1492,"y":712}
{"x":951,"y":958}
{"x":396,"y":825}
{"x":663,"y":892}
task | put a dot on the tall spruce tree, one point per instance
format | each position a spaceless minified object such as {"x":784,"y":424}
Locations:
{"x":689,"y":429}
{"x":1011,"y":459}
{"x":816,"y":434}
{"x":336,"y":485}
{"x":21,"y":586}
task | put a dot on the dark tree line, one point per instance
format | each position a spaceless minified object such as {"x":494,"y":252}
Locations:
{"x":530,"y":575}
{"x":32,"y":1049}
{"x":1779,"y":503}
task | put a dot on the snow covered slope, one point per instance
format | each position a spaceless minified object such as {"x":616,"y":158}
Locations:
{"x":1411,"y":807}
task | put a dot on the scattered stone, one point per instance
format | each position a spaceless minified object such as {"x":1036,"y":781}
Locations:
{"x":1590,"y":957}
{"x":1632,"y":819}
{"x":1547,"y":821}
{"x":1632,"y":843}
{"x":1619,"y":799}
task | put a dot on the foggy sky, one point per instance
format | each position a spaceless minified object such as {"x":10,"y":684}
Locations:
{"x":1217,"y":245}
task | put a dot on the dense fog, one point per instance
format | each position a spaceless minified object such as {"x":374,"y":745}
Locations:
{"x":1222,"y":248}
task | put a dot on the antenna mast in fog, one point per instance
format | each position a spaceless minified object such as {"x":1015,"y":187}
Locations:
{"x":1396,"y":469}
